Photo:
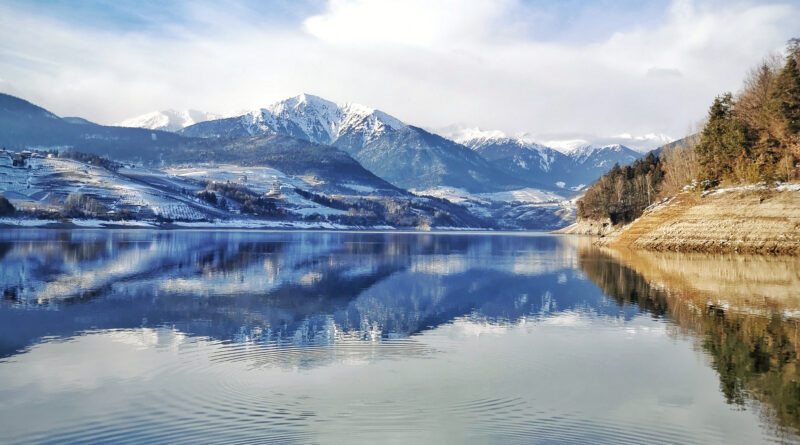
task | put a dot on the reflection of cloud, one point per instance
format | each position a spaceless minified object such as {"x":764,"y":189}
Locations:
{"x":475,"y":326}
{"x":310,"y":278}
{"x":440,"y":264}
{"x":145,"y":338}
{"x":572,"y":319}
{"x":85,"y":281}
{"x":204,"y":286}
{"x":538,"y":263}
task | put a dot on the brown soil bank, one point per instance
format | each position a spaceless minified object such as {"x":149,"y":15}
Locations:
{"x":734,"y":220}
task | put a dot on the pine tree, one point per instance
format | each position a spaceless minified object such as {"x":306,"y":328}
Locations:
{"x":783,"y":113}
{"x":724,"y":143}
{"x":785,"y":99}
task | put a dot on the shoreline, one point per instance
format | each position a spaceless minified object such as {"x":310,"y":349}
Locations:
{"x":240,"y":225}
{"x":745,"y":219}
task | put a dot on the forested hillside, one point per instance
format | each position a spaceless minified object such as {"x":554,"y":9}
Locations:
{"x":748,"y":138}
{"x":623,"y":193}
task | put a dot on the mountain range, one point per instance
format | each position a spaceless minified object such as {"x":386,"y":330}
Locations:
{"x":411,"y":157}
{"x":332,"y":146}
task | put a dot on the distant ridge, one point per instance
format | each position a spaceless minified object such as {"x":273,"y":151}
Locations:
{"x":168,"y":120}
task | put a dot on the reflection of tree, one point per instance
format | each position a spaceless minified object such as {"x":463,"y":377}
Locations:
{"x":622,"y":283}
{"x":756,"y":356}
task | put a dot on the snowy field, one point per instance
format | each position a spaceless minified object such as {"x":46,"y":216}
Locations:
{"x":524,"y":195}
{"x":263,"y":180}
{"x":44,"y":183}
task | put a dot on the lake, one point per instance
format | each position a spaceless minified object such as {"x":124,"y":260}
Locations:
{"x":315,"y":337}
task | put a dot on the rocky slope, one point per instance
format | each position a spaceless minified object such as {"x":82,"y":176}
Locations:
{"x":746,"y":219}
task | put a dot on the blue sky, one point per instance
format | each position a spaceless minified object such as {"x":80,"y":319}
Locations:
{"x":566,"y":20}
{"x":553,"y":69}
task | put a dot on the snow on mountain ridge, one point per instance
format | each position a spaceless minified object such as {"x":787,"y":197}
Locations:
{"x":583,"y":151}
{"x":475,"y":138}
{"x":168,"y":120}
{"x":320,"y":120}
{"x":603,"y":157}
{"x":462,"y":135}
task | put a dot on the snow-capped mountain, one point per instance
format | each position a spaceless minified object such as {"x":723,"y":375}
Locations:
{"x":407,"y":156}
{"x":590,"y":161}
{"x":522,"y":157}
{"x":305,"y":117}
{"x":404,"y":155}
{"x":603,"y":157}
{"x":577,"y":164}
{"x":168,"y":120}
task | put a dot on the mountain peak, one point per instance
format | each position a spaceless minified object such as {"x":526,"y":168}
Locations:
{"x":305,"y":116}
{"x":476,"y":139}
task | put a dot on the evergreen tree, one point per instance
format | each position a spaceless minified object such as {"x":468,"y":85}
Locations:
{"x":784,"y":104}
{"x":724,"y":148}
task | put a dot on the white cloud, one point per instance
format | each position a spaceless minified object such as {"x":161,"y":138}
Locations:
{"x":421,"y":23}
{"x":430,"y":63}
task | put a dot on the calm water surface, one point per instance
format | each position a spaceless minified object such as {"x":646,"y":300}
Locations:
{"x":291,"y":337}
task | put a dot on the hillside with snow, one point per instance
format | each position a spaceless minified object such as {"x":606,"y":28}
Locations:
{"x":55,"y":190}
{"x":404,"y":155}
{"x":354,"y":160}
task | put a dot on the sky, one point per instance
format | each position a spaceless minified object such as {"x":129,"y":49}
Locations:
{"x":634,"y":72}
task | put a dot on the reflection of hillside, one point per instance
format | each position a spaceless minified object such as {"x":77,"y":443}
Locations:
{"x":747,"y":331}
{"x":206,"y":284}
{"x":732,"y":279}
{"x":276,"y":288}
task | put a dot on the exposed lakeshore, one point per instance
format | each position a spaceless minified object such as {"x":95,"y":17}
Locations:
{"x":747,"y":219}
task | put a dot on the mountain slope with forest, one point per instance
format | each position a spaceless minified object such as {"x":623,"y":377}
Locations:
{"x":733,"y":187}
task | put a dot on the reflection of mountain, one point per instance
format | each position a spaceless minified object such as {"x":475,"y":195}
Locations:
{"x":278,"y":288}
{"x":751,"y":338}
